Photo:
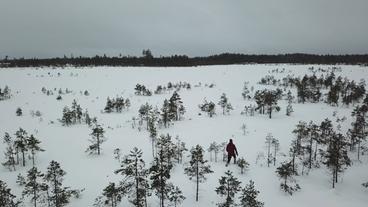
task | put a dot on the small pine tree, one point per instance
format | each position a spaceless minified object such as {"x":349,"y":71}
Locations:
{"x":213,"y":148}
{"x":229,"y":187}
{"x":109,"y":105}
{"x":180,"y":149}
{"x":208,"y":107}
{"x":289,"y":109}
{"x":9,"y":158}
{"x":276,"y":147}
{"x":111,"y":196}
{"x":197,"y":168}
{"x":127,"y":103}
{"x":87,"y":118}
{"x":7,"y":199}
{"x":96,"y":140}
{"x":117,"y":153}
{"x":153,"y":136}
{"x":225,"y":105}
{"x":245,"y":92}
{"x":243,"y":164}
{"x":268,"y":142}
{"x":244,"y":129}
{"x":175,"y":196}
{"x":20,"y":180}
{"x":19,"y":112}
{"x":249,"y":195}
{"x":67,"y":118}
{"x":286,"y":172}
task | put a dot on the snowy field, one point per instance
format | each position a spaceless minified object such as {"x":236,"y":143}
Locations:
{"x":67,"y":145}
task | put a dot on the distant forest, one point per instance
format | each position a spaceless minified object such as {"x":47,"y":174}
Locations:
{"x":147,"y":59}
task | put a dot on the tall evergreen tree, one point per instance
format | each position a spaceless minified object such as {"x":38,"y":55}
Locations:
{"x":276,"y":147}
{"x":135,"y":177}
{"x":161,"y":167}
{"x":33,"y":146}
{"x":358,"y":133}
{"x":333,"y":95}
{"x":153,"y":136}
{"x":289,"y":107}
{"x":33,"y":187}
{"x":336,"y":157}
{"x":10,"y":161}
{"x":145,"y":113}
{"x":198,"y":167}
{"x":59,"y":195}
{"x":166,"y":116}
{"x":176,"y":107}
{"x":96,"y":140}
{"x":20,"y":145}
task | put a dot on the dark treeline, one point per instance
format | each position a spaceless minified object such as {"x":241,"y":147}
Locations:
{"x":182,"y":60}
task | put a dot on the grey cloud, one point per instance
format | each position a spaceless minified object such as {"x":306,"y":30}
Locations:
{"x":47,"y":28}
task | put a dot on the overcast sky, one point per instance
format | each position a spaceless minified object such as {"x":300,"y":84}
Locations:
{"x":48,"y":28}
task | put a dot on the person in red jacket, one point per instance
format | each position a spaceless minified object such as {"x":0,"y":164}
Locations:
{"x":231,"y":151}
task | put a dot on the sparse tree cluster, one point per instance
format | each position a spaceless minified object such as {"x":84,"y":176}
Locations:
{"x":42,"y":189}
{"x":117,"y":104}
{"x":22,"y":146}
{"x":141,"y":90}
{"x":323,"y":140}
{"x":225,"y":104}
{"x":208,"y":107}
{"x":230,"y":186}
{"x":75,"y":115}
{"x":267,"y":101}
{"x":5,"y":93}
{"x":160,"y":89}
{"x":339,"y":89}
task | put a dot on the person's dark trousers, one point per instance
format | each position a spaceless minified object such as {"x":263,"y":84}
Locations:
{"x":229,"y":158}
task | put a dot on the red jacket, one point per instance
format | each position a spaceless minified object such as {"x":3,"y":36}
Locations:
{"x":231,"y":149}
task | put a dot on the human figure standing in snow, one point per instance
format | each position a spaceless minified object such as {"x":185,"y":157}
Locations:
{"x":231,"y":152}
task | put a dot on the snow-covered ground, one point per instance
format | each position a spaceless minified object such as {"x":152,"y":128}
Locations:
{"x":67,"y":144}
